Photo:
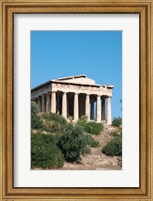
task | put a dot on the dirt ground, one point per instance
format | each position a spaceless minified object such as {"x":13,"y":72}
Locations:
{"x":96,"y":160}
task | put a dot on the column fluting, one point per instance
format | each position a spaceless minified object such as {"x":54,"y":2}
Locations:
{"x":64,"y":104}
{"x":109,"y":115}
{"x":53,"y":102}
{"x":98,"y":107}
{"x":76,"y":111}
{"x":47,"y":102}
{"x":87,"y":111}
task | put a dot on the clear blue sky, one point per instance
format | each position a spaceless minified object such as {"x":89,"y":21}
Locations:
{"x":97,"y":54}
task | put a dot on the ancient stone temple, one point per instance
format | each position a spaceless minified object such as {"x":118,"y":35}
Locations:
{"x":74,"y":97}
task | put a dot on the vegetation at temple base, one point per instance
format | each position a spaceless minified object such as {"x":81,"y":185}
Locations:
{"x":117,"y":121}
{"x":114,"y":147}
{"x":91,"y":127}
{"x":36,"y":122}
{"x":53,"y":123}
{"x":94,"y":127}
{"x":54,"y":140}
{"x":82,"y":121}
{"x":44,"y":152}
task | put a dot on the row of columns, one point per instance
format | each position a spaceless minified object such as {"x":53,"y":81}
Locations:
{"x":89,"y":111}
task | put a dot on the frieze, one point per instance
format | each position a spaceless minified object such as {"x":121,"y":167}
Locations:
{"x":69,"y":88}
{"x":82,"y":89}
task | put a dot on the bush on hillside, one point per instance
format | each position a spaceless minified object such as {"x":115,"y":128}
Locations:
{"x":44,"y":152}
{"x":91,"y":127}
{"x":72,"y":142}
{"x":53,"y":123}
{"x":94,"y":127}
{"x":36,"y":122}
{"x":90,"y":141}
{"x":114,"y":147}
{"x":117,"y":121}
{"x":82,"y":121}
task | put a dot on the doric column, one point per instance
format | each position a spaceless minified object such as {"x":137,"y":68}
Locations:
{"x":39,"y":104}
{"x":92,"y":111}
{"x":87,"y":112}
{"x":76,"y":115}
{"x":47,"y":103}
{"x":43,"y":103}
{"x":103,"y":108}
{"x":98,"y":107}
{"x":109,"y":116}
{"x":64,"y":105}
{"x":53,"y":102}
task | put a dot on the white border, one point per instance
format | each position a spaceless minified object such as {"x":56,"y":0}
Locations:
{"x":129,"y":175}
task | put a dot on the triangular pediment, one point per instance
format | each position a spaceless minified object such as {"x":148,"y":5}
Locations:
{"x":79,"y":79}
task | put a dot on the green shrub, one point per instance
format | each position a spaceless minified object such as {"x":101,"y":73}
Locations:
{"x":44,"y":152}
{"x":36,"y":122}
{"x":72,"y":142}
{"x":90,"y":141}
{"x":117,"y":121}
{"x":114,"y":133}
{"x":53,"y":123}
{"x":85,"y":150}
{"x":93,"y":127}
{"x":82,"y":121}
{"x":114,"y":147}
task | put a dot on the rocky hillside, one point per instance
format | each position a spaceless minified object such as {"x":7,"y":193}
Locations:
{"x":97,"y":160}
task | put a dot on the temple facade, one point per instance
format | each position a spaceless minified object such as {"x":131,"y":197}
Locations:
{"x":75,"y":96}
